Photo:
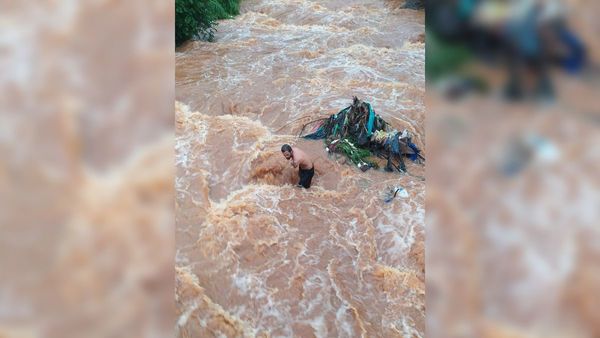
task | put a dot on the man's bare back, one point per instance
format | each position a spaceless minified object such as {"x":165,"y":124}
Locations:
{"x":302,"y":161}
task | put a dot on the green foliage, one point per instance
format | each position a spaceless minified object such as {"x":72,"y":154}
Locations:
{"x":198,"y":18}
{"x":232,"y":7}
{"x":193,"y":20}
{"x":355,"y":154}
{"x":442,"y":58}
{"x":215,"y":9}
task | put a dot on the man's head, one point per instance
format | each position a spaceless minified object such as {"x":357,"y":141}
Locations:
{"x":286,"y":149}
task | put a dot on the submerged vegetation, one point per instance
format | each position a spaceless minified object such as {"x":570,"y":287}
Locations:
{"x":197,"y":19}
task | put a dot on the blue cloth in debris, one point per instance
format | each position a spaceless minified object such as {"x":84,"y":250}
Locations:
{"x":317,"y":135}
{"x":414,"y":148}
{"x":575,"y":61}
{"x":371,"y":121}
{"x":396,"y":145}
{"x":466,"y":8}
{"x":524,"y":35}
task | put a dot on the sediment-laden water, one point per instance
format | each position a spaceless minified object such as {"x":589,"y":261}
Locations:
{"x":257,"y":256}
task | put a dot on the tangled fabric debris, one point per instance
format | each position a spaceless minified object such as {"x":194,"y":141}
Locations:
{"x":359,"y":133}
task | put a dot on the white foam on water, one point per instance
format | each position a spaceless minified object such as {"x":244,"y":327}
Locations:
{"x":276,"y":62}
{"x":185,"y":316}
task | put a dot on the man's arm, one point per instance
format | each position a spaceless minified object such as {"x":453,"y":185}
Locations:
{"x":293,"y":161}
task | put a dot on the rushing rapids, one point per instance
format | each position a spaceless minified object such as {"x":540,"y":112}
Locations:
{"x":257,"y":256}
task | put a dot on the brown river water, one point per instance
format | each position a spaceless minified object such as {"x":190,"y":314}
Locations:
{"x":257,"y":256}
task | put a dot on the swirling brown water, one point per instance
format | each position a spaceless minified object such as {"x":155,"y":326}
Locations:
{"x":257,"y":256}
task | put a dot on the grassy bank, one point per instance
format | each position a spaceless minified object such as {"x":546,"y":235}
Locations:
{"x":198,"y":18}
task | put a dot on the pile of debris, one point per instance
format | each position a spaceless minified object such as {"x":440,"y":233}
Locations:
{"x":359,"y":133}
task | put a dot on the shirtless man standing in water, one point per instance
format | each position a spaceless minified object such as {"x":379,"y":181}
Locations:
{"x":301,"y":160}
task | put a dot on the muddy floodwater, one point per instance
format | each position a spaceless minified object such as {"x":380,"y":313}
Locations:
{"x":257,"y":256}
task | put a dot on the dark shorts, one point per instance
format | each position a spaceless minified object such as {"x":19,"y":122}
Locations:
{"x":306,"y":176}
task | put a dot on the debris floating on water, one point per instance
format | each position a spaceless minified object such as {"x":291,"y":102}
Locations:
{"x":392,"y":192}
{"x":360,"y":134}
